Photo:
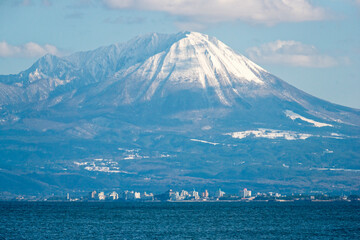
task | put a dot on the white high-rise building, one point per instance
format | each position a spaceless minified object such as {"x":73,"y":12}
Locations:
{"x":101,"y":196}
{"x":92,"y":195}
{"x":137,"y":195}
{"x":195,"y":194}
{"x":205,"y":194}
{"x":219,"y":193}
{"x":124,"y":195}
{"x":246,"y":193}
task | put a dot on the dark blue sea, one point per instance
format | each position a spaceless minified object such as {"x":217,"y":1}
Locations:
{"x":212,"y":220}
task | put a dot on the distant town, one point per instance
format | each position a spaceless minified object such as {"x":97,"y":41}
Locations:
{"x":244,"y":195}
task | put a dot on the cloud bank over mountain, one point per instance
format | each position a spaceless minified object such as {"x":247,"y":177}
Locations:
{"x":291,"y":53}
{"x":213,"y":11}
{"x":27,"y":50}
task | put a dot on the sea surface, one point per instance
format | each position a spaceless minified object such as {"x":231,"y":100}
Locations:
{"x":153,"y":220}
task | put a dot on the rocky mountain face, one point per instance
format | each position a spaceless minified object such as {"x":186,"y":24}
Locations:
{"x":160,"y":111}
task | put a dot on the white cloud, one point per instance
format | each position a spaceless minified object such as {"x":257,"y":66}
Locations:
{"x":27,"y":50}
{"x":267,"y":12}
{"x":290,"y":53}
{"x":26,"y":2}
{"x":46,"y":3}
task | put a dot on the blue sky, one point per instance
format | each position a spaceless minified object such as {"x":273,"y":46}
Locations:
{"x":313,"y":45}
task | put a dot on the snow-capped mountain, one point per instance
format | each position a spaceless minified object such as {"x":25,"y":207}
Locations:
{"x":184,"y":108}
{"x":152,"y":67}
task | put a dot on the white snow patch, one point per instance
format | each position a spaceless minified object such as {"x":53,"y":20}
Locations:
{"x":130,"y":157}
{"x":105,"y":169}
{"x":36,"y":75}
{"x":335,"y":169}
{"x":56,"y":100}
{"x":336,"y":136}
{"x":270,"y":134}
{"x":293,"y":116}
{"x":131,"y":154}
{"x":328,"y":151}
{"x":135,"y":156}
{"x":205,"y":128}
{"x":202,"y":141}
{"x":81,"y":163}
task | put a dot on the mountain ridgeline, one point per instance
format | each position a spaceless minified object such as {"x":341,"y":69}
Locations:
{"x":160,"y":111}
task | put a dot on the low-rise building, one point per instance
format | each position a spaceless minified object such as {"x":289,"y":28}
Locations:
{"x":132,"y":195}
{"x":147,"y":196}
{"x":114,"y":195}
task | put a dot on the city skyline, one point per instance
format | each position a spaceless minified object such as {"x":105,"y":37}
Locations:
{"x":243,"y":195}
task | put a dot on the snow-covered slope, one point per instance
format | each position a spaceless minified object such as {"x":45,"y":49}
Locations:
{"x":294,"y":116}
{"x":195,"y":61}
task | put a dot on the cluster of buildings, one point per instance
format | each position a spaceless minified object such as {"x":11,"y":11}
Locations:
{"x":183,"y":195}
{"x":126,"y":195}
{"x":169,"y":195}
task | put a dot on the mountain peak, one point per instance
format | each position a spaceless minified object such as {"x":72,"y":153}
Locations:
{"x":197,"y":61}
{"x":158,"y":64}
